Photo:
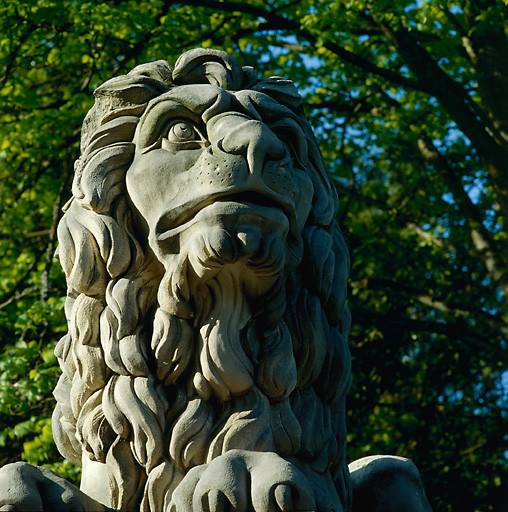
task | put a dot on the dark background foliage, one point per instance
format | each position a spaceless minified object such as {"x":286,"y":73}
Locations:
{"x":409,"y":101}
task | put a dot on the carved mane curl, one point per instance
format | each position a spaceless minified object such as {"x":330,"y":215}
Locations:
{"x":123,"y":398}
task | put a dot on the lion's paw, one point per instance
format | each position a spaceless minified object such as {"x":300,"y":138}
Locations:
{"x":27,"y":488}
{"x":240,"y":481}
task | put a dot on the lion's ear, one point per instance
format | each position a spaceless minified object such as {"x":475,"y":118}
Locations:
{"x":281,"y":90}
{"x":123,"y":95}
{"x":160,"y":70}
{"x":207,"y":66}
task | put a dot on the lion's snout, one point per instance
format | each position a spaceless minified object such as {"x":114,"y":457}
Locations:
{"x":237,"y":135}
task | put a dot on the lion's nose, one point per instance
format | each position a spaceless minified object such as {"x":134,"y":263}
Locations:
{"x":250,"y":138}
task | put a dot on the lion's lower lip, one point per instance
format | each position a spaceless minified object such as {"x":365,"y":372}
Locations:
{"x":252,"y":203}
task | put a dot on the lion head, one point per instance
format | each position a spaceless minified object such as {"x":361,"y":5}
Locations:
{"x":206,"y":282}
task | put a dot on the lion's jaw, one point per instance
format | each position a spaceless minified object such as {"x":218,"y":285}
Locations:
{"x":227,"y":240}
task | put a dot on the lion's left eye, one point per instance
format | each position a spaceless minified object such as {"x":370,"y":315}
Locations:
{"x":182,"y":131}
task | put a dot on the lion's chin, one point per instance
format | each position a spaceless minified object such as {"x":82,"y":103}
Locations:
{"x":226,"y":242}
{"x":249,"y":240}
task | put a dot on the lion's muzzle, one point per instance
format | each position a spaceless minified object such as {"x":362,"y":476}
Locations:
{"x":236,"y":134}
{"x":218,"y":187}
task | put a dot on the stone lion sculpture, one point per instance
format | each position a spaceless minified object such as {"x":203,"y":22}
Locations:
{"x":206,"y":364}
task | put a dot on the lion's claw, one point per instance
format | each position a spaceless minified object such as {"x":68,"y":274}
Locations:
{"x":215,"y":501}
{"x":282,"y":494}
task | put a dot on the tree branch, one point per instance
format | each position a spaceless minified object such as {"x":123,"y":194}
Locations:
{"x":453,"y":331}
{"x":18,"y":295}
{"x":279,"y":22}
{"x":14,"y":53}
{"x":464,"y":111}
{"x":442,"y":243}
{"x":7,"y":297}
{"x":491,"y":256}
{"x":491,"y":322}
{"x":139,"y":46}
{"x":50,"y":249}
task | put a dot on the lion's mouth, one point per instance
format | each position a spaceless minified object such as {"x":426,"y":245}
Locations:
{"x":178,"y":218}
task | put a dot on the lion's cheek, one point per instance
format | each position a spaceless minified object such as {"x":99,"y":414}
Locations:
{"x":156,"y":180}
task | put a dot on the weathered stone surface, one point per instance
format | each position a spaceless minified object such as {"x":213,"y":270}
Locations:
{"x":27,"y":488}
{"x":206,"y":359}
{"x":387,"y":484}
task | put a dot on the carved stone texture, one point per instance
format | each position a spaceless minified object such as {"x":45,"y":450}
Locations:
{"x":206,"y":364}
{"x":387,"y":483}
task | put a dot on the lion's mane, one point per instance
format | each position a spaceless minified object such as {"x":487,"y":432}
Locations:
{"x":123,"y":398}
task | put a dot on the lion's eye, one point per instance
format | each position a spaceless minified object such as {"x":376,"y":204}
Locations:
{"x":182,"y":131}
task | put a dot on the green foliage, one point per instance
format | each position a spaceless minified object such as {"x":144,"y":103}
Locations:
{"x":408,"y":101}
